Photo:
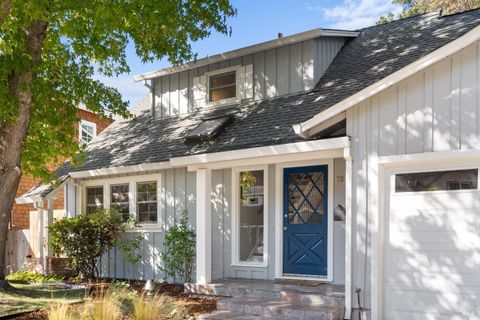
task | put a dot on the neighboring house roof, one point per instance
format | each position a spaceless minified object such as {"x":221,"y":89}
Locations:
{"x":374,"y":54}
{"x":141,"y":107}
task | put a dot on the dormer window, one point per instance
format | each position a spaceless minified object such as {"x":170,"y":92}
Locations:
{"x":87,"y":131}
{"x":222,"y":86}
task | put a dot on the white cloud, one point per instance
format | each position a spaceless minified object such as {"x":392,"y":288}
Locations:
{"x":356,"y":14}
{"x":129,"y":89}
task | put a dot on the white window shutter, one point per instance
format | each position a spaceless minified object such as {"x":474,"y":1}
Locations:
{"x":241,"y":83}
{"x":200,"y":91}
{"x":249,"y":81}
{"x":245,"y":82}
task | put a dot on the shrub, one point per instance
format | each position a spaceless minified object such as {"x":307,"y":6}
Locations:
{"x":32,"y":277}
{"x":85,"y":238}
{"x":107,"y":309}
{"x":59,"y":312}
{"x":179,"y":255}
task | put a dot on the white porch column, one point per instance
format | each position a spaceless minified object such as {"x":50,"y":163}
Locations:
{"x":204,"y":227}
{"x":348,"y":233}
{"x":49,"y":223}
{"x":39,"y":207}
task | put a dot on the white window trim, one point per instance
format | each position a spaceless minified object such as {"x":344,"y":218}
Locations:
{"x":98,"y":185}
{"x":279,"y":219}
{"x":132,"y":196}
{"x":386,"y":167}
{"x":228,"y":101}
{"x":88,"y":123}
{"x":236,"y":217}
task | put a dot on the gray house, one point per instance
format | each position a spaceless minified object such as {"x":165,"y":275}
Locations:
{"x":348,"y":158}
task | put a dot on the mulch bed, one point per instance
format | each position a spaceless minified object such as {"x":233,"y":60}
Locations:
{"x":195,"y":306}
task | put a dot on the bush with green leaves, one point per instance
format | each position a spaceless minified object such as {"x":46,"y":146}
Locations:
{"x":179,"y":255}
{"x":85,"y":238}
{"x":32,"y":277}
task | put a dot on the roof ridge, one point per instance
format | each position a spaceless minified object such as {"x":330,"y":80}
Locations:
{"x":420,"y":15}
{"x":416,"y":16}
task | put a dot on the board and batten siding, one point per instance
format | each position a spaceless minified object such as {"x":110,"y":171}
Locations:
{"x":222,"y":229}
{"x":436,"y":109}
{"x":177,"y":194}
{"x":289,"y":69}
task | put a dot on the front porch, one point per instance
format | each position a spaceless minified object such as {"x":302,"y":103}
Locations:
{"x":263,"y":299}
{"x":291,"y":224}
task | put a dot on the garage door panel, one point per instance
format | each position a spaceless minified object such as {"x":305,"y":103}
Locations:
{"x":435,"y":236}
{"x":436,"y":200}
{"x":437,"y":281}
{"x":453,"y":262}
{"x":432,"y":255}
{"x":405,"y":314}
{"x":441,"y":304}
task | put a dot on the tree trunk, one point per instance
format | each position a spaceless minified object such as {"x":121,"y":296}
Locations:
{"x":13,"y":134}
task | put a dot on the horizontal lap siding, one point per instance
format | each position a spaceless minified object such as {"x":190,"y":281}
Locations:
{"x":434,"y":110}
{"x":284,"y":70}
{"x":177,"y":194}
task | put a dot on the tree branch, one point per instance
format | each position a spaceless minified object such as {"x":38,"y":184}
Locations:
{"x":5,"y":9}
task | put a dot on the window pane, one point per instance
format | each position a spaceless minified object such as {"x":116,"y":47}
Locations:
{"x":437,"y":180}
{"x":223,"y":93}
{"x":306,"y":198}
{"x":147,"y":202}
{"x":251,"y":216}
{"x":87,"y":132}
{"x":119,"y":199}
{"x":222,"y":86}
{"x":221,"y":80}
{"x":94,"y":199}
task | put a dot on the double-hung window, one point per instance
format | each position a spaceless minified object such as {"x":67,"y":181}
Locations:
{"x":222,"y":86}
{"x":87,"y":131}
{"x":94,"y":199}
{"x":119,"y":199}
{"x":147,"y":202}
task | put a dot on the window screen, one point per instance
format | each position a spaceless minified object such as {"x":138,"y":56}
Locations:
{"x":222,"y":86}
{"x":208,"y":128}
{"x":119,"y":199}
{"x":147,"y":202}
{"x":437,"y":180}
{"x":94,"y":199}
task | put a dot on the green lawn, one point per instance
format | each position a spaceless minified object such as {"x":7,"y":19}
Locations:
{"x":30,"y":297}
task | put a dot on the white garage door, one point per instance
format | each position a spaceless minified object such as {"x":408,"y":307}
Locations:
{"x":432,"y":245}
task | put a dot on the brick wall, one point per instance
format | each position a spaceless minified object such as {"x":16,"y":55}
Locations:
{"x":20,"y":213}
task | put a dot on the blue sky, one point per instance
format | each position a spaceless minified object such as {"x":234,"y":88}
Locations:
{"x":259,"y":21}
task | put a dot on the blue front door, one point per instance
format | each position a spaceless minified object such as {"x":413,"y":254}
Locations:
{"x":305,"y":220}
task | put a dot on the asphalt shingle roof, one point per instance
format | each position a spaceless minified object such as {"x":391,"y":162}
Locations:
{"x":377,"y":52}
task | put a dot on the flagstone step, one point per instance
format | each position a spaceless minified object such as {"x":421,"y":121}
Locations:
{"x":304,"y":295}
{"x":280,"y":309}
{"x":228,"y":315}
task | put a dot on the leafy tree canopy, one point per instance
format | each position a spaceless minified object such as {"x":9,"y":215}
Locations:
{"x":80,"y":39}
{"x":415,"y":7}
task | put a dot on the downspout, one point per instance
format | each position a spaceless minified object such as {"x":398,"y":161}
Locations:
{"x":348,"y":232}
{"x":152,"y":97}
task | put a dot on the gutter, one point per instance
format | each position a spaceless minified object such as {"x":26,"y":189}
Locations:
{"x":123,"y":169}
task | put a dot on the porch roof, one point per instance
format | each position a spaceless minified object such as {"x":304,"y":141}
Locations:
{"x":42,"y":191}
